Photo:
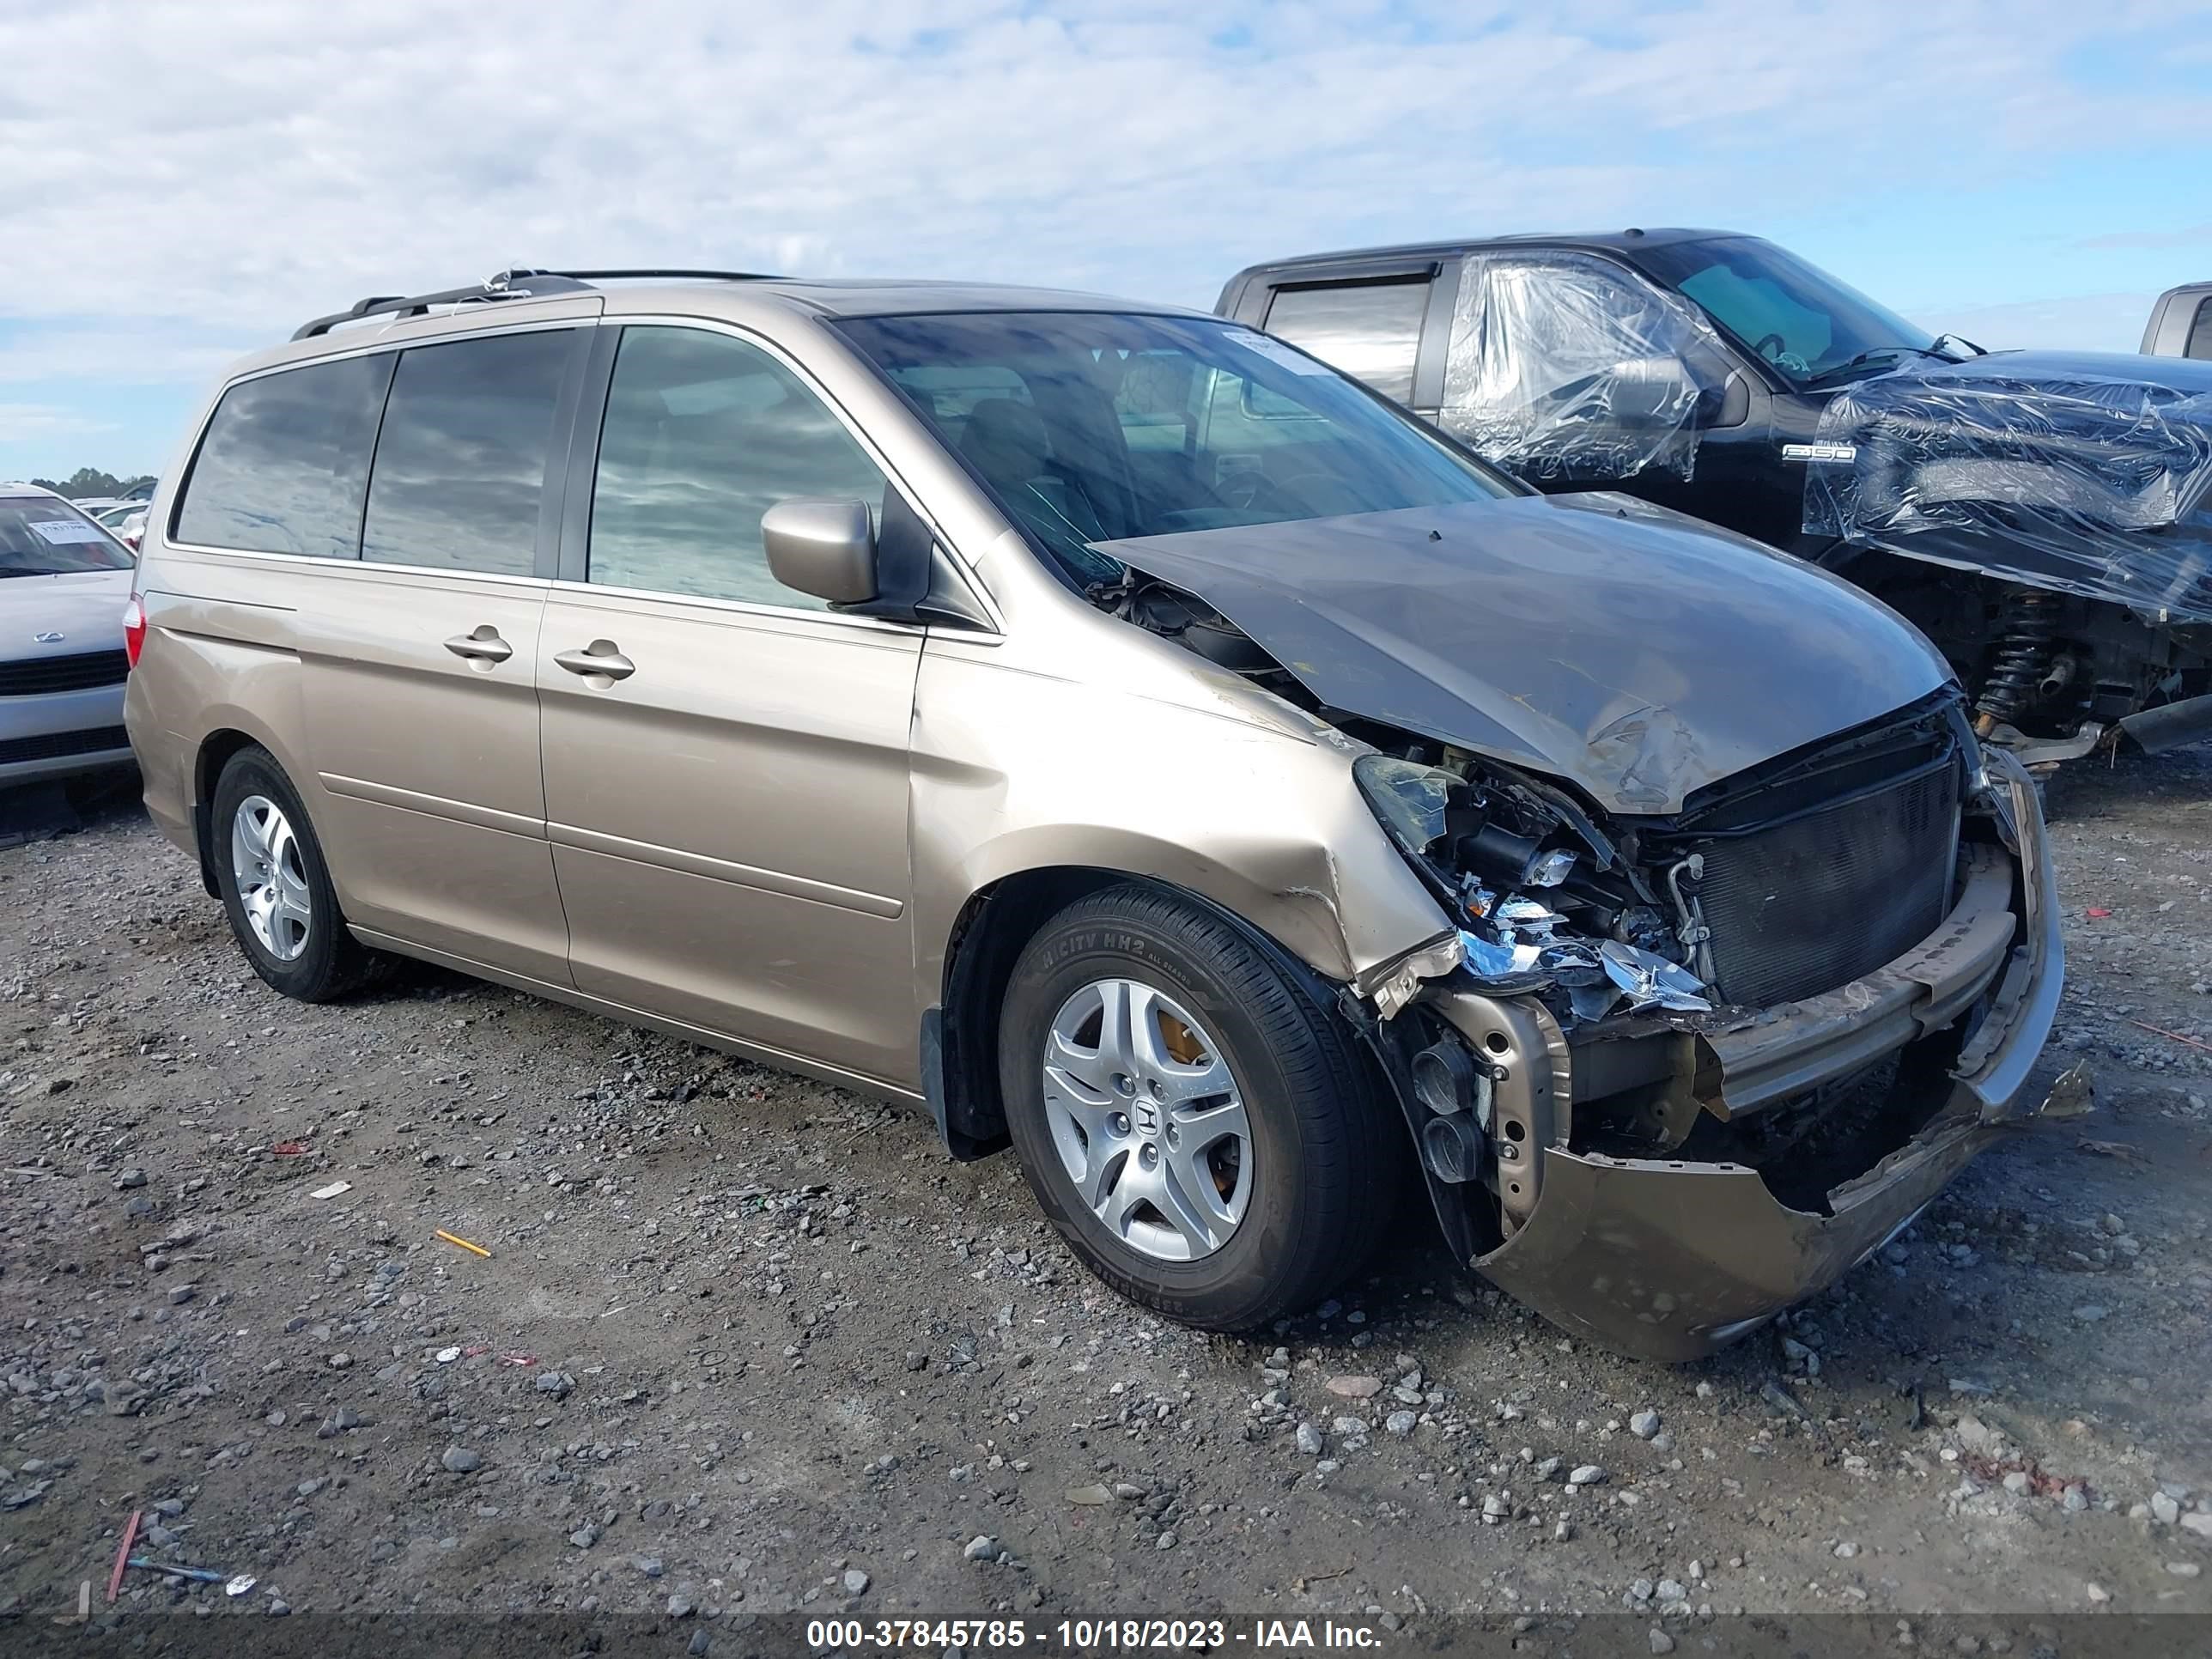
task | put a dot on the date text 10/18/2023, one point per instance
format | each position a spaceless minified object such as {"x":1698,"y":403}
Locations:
{"x":1091,"y":1635}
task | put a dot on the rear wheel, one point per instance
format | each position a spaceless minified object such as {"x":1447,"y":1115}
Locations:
{"x":1189,"y":1112}
{"x":276,"y":885}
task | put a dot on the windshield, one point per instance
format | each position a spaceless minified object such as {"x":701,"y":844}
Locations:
{"x":1795,"y":315}
{"x":42,"y":537}
{"x":1090,"y":427}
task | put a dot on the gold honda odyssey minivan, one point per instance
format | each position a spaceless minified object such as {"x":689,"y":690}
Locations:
{"x":1123,"y":733}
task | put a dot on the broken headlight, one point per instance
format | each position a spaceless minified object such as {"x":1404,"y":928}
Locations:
{"x":1411,"y":801}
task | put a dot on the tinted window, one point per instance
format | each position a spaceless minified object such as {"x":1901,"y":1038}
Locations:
{"x":1127,"y":426}
{"x":2200,"y":332}
{"x":460,"y":463}
{"x":40,"y":536}
{"x":1370,"y":330}
{"x":284,"y":460}
{"x":703,"y":434}
{"x":1794,"y":314}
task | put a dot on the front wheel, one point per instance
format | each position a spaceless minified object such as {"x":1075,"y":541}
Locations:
{"x":1190,"y":1113}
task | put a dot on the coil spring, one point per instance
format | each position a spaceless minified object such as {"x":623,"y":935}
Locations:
{"x":2026,"y":644}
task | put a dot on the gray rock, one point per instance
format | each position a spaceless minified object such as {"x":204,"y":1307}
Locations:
{"x":2199,"y":1523}
{"x":130,"y":1178}
{"x":1661,"y":1641}
{"x":2164,"y":1510}
{"x":1643,"y":1424}
{"x":2184,"y":1569}
{"x":701,"y":1641}
{"x":982,"y":1548}
{"x":1310,"y":1440}
{"x":1402,"y":1422}
{"x":556,"y":1383}
{"x":856,"y":1581}
{"x":1846,"y":1551}
{"x":309,"y":1488}
{"x":180,"y":1294}
{"x":1166,"y":1541}
{"x":584,"y":1536}
{"x":648,"y":1564}
{"x":459,"y":1460}
{"x":680,"y":1606}
{"x":1588,"y":1475}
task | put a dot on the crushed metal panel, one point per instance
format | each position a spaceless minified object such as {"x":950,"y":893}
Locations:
{"x":2086,"y":473}
{"x":1590,"y":637}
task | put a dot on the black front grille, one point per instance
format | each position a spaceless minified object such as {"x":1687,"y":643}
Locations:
{"x":32,"y":677}
{"x":1834,"y":892}
{"x":52,"y":745}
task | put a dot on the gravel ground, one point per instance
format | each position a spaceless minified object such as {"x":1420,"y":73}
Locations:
{"x":744,"y":1344}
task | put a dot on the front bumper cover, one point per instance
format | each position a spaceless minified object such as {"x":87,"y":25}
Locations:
{"x":1669,"y":1260}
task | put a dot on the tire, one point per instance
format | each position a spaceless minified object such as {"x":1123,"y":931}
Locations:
{"x":1322,"y":1156}
{"x":328,"y":962}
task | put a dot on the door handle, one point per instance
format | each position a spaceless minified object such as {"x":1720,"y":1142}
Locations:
{"x":600,"y":658}
{"x":482,"y":645}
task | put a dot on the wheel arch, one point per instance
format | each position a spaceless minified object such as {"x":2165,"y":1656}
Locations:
{"x":212,"y":754}
{"x":960,"y":1032}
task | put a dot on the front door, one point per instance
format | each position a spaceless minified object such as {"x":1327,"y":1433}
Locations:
{"x":726,"y":759}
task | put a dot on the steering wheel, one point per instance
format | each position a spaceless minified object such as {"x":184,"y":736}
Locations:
{"x":1780,"y":345}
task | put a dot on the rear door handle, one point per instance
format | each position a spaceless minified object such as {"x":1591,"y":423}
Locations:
{"x":481,"y":645}
{"x":600,"y":658}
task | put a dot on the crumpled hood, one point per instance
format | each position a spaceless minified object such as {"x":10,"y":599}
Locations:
{"x":2087,"y":472}
{"x":84,"y":607}
{"x":1623,"y":648}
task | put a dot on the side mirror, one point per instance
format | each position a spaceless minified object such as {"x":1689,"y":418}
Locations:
{"x":827,"y":549}
{"x":1653,"y":390}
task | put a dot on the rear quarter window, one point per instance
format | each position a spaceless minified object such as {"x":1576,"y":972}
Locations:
{"x":1372,"y":330}
{"x":2200,"y":332}
{"x":284,"y":463}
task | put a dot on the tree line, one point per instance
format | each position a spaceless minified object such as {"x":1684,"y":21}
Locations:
{"x":91,"y":480}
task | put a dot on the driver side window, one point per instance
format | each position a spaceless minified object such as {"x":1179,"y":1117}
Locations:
{"x":1566,"y":366}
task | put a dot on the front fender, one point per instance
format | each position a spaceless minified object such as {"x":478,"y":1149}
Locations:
{"x":1014,"y":773}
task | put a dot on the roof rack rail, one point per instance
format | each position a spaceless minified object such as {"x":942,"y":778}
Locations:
{"x":521,"y":282}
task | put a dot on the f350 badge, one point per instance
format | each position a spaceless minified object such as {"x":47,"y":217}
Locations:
{"x":1819,"y":452}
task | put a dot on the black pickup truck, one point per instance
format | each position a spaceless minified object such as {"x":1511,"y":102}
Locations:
{"x":2046,"y":518}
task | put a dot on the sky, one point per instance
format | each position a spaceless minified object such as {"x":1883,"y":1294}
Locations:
{"x":188,"y":182}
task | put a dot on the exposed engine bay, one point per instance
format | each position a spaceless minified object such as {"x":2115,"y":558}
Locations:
{"x":1637,"y":934}
{"x":1752,"y":941}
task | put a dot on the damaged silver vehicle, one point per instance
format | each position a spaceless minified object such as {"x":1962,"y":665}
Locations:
{"x":1134,"y":738}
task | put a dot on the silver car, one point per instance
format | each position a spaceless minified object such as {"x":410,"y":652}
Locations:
{"x":61,"y":657}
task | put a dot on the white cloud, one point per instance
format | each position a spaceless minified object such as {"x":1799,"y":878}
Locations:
{"x":257,"y":165}
{"x":26,"y":423}
{"x":2088,"y":322}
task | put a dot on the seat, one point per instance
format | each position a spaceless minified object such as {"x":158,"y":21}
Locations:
{"x":1005,"y":441}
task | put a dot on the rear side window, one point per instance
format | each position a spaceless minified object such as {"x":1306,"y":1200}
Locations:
{"x":284,"y":465}
{"x":2200,"y":332}
{"x":1372,"y":330}
{"x":703,"y":434}
{"x":460,"y":462}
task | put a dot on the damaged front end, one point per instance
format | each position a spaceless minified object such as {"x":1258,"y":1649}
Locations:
{"x":2046,"y":518}
{"x":1674,"y":1074}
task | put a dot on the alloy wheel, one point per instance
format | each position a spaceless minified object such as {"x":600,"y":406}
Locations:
{"x":1148,"y":1119}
